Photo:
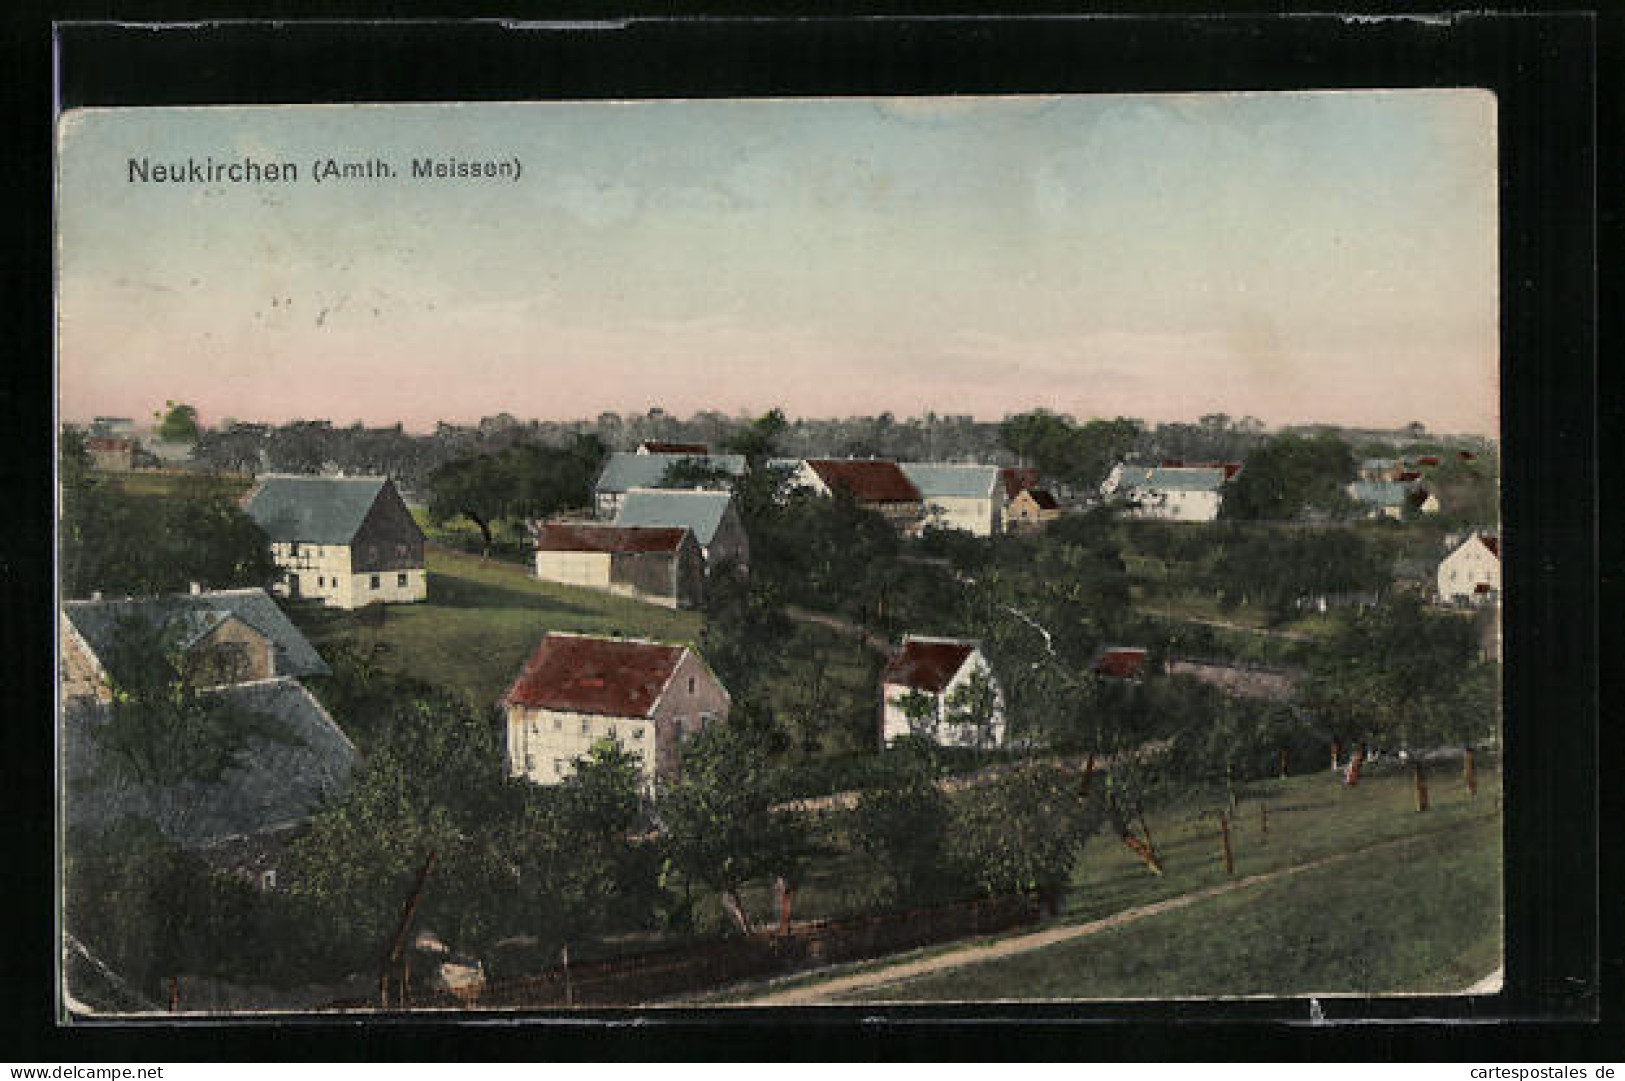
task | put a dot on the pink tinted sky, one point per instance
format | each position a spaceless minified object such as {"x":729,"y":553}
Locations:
{"x":1296,"y":257}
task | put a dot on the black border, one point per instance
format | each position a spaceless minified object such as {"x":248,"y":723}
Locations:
{"x":1543,"y":69}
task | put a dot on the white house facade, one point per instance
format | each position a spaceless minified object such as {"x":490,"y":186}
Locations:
{"x":1167,"y":493}
{"x":1471,"y":574}
{"x":940,"y":669}
{"x":954,"y":496}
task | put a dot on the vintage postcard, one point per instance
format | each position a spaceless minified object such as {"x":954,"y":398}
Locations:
{"x":666,"y":553}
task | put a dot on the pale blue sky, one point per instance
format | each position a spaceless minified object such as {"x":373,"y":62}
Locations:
{"x":1293,"y":256}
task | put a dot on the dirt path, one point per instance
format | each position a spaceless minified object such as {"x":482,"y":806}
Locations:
{"x":840,"y":626}
{"x":1037,"y":940}
{"x":1289,"y":636}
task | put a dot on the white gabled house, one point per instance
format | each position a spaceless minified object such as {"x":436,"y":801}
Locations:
{"x":946,"y":672}
{"x":1471,"y":574}
{"x":346,"y":541}
{"x":1168,"y":493}
{"x":577,"y":689}
{"x":954,"y":496}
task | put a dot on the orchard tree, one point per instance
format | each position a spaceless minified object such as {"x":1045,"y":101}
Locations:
{"x":903,"y":826}
{"x":1406,"y":678}
{"x":717,"y":820}
{"x":1024,"y":832}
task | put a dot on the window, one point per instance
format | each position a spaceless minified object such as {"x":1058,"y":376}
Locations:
{"x":530,"y":762}
{"x":293,"y":548}
{"x":400,"y":579}
{"x":374,"y":582}
{"x":637,"y":733}
{"x":558,"y":724}
{"x":611,"y":731}
{"x":690,"y":684}
{"x":267,"y":880}
{"x":558,"y":767}
{"x":585,"y":727}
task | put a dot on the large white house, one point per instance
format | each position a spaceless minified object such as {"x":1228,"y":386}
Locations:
{"x":1168,"y":493}
{"x":346,"y":541}
{"x":947,"y":673}
{"x":1471,"y":574}
{"x":576,"y":690}
{"x":968,"y":497}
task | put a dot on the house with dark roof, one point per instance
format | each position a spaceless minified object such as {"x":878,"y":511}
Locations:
{"x":958,"y":496}
{"x":1121,"y":662}
{"x":875,"y":484}
{"x":293,"y":757}
{"x":626,"y":470}
{"x":939,"y":674}
{"x":576,"y":690}
{"x":1017,"y":479}
{"x":659,"y":564}
{"x":218,"y":637}
{"x":1030,"y":510}
{"x":1471,"y":573}
{"x":345,"y":541}
{"x":710,"y":516}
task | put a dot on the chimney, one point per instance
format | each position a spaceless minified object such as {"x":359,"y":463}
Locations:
{"x":196,"y":588}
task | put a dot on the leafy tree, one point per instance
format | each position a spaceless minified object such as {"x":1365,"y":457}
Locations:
{"x":134,"y":544}
{"x":758,"y":440}
{"x":1066,"y":451}
{"x":975,"y":706}
{"x":1403,"y":677}
{"x":695,"y":473}
{"x":717,"y":822}
{"x":479,"y":489}
{"x":150,"y":910}
{"x":1276,"y":571}
{"x":162,"y":727}
{"x":523,"y":482}
{"x":177,"y":423}
{"x":902,"y":827}
{"x":1024,"y":832}
{"x":1288,"y":475}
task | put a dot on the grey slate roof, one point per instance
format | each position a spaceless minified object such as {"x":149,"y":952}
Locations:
{"x":1171,"y":478}
{"x":700,"y":512}
{"x":947,"y":480}
{"x":1382,"y":493}
{"x":276,"y":782}
{"x":198,"y":613}
{"x":313,"y":510}
{"x":625,"y":471}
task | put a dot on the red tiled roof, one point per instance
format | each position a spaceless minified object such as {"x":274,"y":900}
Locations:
{"x":1173,"y":463}
{"x":1017,"y":479}
{"x":1428,"y":459}
{"x":656,"y":447}
{"x":585,"y":537}
{"x":1121,"y":662}
{"x":1466,"y":455}
{"x":1408,"y":475}
{"x":604,"y":676}
{"x":1492,"y":543}
{"x":926,"y":665}
{"x":1044,"y":500}
{"x":870,"y":481}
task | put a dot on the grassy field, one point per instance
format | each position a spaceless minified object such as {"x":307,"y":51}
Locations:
{"x":481,"y":621}
{"x":1411,"y":919}
{"x":1423,"y":918}
{"x":148,"y":483}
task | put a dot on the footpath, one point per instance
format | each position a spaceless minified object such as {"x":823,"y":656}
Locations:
{"x":831,"y":990}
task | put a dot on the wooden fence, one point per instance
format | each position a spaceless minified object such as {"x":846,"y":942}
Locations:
{"x":663,"y":974}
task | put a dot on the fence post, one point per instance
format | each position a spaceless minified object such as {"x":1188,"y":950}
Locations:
{"x":1224,"y":836}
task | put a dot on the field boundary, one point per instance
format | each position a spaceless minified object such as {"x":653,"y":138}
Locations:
{"x":821,"y":993}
